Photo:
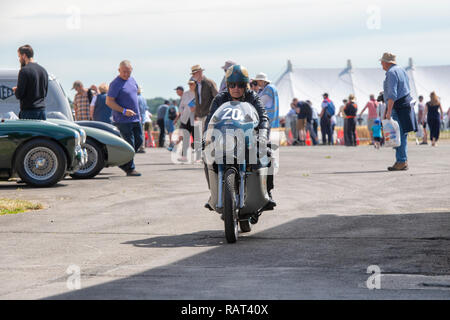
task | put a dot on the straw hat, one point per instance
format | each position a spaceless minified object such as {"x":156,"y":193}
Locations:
{"x":262,"y":77}
{"x":196,"y":68}
{"x":388,"y":57}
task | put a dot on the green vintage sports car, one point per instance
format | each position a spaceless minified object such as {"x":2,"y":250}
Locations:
{"x":103,"y":148}
{"x":39,"y":152}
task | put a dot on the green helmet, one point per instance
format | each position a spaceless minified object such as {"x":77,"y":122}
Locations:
{"x":237,"y":73}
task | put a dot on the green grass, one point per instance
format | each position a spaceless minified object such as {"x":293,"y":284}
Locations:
{"x":14,"y":206}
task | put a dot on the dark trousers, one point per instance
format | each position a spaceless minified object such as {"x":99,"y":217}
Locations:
{"x":435,"y":126}
{"x":187,"y":130}
{"x":162,"y":132}
{"x":346,"y":140}
{"x":131,"y":133}
{"x":312,"y":133}
{"x":325,"y":128}
{"x":38,"y":114}
{"x":315,"y":124}
{"x":350,"y":132}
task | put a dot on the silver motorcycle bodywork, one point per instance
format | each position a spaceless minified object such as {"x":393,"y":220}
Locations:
{"x":252,"y":182}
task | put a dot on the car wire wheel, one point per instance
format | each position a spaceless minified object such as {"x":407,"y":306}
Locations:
{"x":40,"y":163}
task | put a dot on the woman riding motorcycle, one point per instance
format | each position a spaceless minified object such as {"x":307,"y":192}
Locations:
{"x":238,"y":90}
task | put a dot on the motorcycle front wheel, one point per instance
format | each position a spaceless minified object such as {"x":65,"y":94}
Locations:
{"x":230,"y":206}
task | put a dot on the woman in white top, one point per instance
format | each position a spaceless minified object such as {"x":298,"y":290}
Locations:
{"x":186,"y":109}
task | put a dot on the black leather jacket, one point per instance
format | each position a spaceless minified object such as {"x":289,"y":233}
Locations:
{"x":250,"y":97}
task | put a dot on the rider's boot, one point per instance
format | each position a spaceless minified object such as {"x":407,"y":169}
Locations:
{"x":271,"y":204}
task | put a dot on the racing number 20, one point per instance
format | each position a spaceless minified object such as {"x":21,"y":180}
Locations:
{"x":236,"y":114}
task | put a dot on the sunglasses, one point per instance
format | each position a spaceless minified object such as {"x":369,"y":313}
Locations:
{"x":240,"y":85}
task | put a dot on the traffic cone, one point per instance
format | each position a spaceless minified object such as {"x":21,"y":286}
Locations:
{"x":151,"y":140}
{"x":308,"y":139}
{"x":340,"y":136}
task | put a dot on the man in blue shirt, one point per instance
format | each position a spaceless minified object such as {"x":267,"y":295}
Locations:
{"x":123,"y":99}
{"x":398,"y":99}
{"x":269,"y":98}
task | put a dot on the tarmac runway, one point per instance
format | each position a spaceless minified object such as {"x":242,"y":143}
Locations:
{"x":340,"y":216}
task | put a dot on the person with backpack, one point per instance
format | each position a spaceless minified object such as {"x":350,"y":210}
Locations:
{"x":170,"y":120}
{"x":328,"y":111}
{"x":350,"y":111}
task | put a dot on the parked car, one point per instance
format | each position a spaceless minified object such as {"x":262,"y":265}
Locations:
{"x":104,"y":149}
{"x":103,"y":144}
{"x":39,"y":152}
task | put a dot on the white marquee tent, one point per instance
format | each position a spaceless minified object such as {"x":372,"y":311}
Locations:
{"x":311,"y":83}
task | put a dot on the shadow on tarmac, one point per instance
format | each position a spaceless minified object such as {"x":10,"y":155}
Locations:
{"x":210,"y":238}
{"x":323,"y":257}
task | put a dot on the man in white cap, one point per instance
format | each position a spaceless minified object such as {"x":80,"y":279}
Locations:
{"x":398,"y":99}
{"x":269,"y":97}
{"x":223,"y":84}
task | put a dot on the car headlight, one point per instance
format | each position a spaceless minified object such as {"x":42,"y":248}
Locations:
{"x":77,"y":138}
{"x":82,"y":136}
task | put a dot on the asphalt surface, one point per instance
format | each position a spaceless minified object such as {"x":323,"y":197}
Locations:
{"x":339,"y":211}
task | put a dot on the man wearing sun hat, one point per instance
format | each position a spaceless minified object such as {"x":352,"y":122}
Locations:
{"x":205,"y":91}
{"x":398,"y":99}
{"x":269,"y":98}
{"x":223,"y":84}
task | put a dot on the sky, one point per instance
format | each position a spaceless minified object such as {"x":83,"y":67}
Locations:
{"x":86,"y":40}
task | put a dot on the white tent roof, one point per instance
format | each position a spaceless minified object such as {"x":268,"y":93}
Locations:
{"x":311,"y":83}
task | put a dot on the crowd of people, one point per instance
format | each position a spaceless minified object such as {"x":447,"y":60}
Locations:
{"x":188,"y":113}
{"x":122,"y":104}
{"x":303,"y":119}
{"x":394,"y":102}
{"x":194,"y":105}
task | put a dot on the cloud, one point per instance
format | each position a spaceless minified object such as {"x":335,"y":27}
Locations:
{"x":164,"y":38}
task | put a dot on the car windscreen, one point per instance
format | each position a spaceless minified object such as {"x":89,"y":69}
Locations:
{"x":56,"y":100}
